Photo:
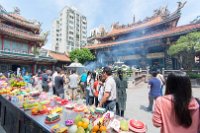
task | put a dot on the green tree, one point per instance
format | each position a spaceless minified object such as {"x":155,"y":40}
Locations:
{"x":82,"y":55}
{"x":185,"y":49}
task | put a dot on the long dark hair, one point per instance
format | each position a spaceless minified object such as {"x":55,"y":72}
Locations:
{"x":179,"y":85}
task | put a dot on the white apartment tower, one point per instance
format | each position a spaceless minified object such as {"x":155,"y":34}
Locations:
{"x":69,"y":30}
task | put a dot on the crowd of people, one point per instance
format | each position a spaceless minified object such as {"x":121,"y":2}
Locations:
{"x":174,"y":111}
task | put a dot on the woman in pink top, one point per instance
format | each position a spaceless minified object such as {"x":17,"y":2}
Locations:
{"x":177,"y":111}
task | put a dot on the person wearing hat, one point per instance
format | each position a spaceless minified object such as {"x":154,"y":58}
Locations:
{"x":122,"y":85}
{"x":109,"y":98}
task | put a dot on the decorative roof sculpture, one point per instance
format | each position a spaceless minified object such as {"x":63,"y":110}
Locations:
{"x":180,"y":6}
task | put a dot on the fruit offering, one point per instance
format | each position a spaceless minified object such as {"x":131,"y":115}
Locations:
{"x":100,"y":110}
{"x":29,"y":104}
{"x":72,"y":129}
{"x":79,"y":108}
{"x":40,"y":109}
{"x":124,"y":125}
{"x":56,"y":110}
{"x":52,"y":118}
{"x":83,"y":124}
{"x":45,"y":102}
{"x":43,"y":96}
{"x":58,"y":129}
{"x":5,"y":91}
{"x":63,"y":102}
{"x":69,"y":106}
{"x":99,"y":128}
{"x":17,"y":82}
{"x":35,"y":93}
{"x":69,"y":122}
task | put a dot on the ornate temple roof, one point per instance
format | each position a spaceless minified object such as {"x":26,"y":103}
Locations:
{"x":14,"y":32}
{"x":59,"y":56}
{"x":16,"y":18}
{"x":158,"y":35}
{"x":159,"y":17}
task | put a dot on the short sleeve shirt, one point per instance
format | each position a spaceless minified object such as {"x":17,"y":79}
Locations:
{"x":110,"y":86}
{"x":73,"y":81}
{"x":155,"y":87}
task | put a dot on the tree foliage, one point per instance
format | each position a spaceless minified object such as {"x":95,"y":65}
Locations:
{"x":185,"y":49}
{"x":82,"y":55}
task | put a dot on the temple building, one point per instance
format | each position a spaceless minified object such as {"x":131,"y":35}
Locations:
{"x":143,"y":43}
{"x":20,"y":41}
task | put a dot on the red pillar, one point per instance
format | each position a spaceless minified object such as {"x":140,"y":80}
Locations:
{"x":2,"y":42}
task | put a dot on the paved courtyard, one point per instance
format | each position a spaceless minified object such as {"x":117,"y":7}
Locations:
{"x":137,"y":102}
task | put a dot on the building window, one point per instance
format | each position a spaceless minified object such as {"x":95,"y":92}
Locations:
{"x":71,"y":22}
{"x":56,"y":48}
{"x":71,"y":28}
{"x":71,"y":17}
{"x":70,"y":32}
{"x":71,"y":38}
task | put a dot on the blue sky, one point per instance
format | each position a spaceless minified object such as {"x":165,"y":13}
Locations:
{"x":99,"y":12}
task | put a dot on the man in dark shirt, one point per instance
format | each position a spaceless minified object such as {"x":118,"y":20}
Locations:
{"x":59,"y":84}
{"x":45,"y":80}
{"x":155,"y":90}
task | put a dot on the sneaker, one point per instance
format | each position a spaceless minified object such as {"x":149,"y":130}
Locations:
{"x":148,"y":109}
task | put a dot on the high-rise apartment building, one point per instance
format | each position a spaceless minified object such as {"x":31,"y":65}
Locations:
{"x":69,"y":30}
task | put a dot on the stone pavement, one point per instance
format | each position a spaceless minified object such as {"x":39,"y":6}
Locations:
{"x":137,"y":101}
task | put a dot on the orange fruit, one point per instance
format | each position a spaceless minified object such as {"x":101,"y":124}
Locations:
{"x":34,"y":110}
{"x":85,"y":125}
{"x":95,"y":128}
{"x":102,"y":128}
{"x":80,"y":124}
